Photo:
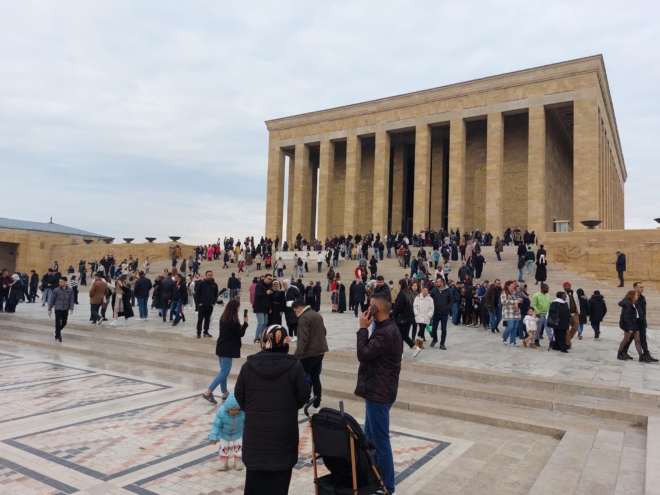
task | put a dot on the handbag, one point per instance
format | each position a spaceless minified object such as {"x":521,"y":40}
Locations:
{"x":551,"y":320}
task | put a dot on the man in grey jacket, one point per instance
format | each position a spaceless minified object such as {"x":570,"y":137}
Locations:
{"x":62,"y":300}
{"x":311,"y":346}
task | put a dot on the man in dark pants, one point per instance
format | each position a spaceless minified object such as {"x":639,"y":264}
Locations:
{"x":641,"y":323}
{"x":34,"y":285}
{"x":166,"y":290}
{"x":206,"y":296}
{"x":620,"y":266}
{"x":442,"y":301}
{"x":311,"y":346}
{"x":62,"y":301}
{"x":359,"y":297}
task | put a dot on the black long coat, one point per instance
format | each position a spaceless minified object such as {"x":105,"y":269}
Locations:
{"x":270,"y":389}
{"x":126,"y":298}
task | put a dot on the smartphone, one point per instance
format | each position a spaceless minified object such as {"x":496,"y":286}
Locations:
{"x":245,"y":313}
{"x":372,"y":311}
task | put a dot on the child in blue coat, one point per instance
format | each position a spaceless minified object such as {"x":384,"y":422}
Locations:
{"x":228,"y":428}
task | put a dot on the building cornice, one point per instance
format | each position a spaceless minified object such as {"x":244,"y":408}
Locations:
{"x":593,"y":64}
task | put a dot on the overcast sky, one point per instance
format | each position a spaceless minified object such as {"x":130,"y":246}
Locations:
{"x":146,"y":118}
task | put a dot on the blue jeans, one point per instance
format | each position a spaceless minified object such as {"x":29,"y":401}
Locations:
{"x":280,"y":273}
{"x":335,"y":263}
{"x":389,"y":252}
{"x":499,"y":258}
{"x":520,"y":279}
{"x":221,"y":378}
{"x":495,"y":317}
{"x":376,"y":253}
{"x":442,"y":320}
{"x":45,"y":297}
{"x":511,"y":330}
{"x":142,"y":306}
{"x":580,"y":328}
{"x":262,"y":322}
{"x":377,"y":429}
{"x":320,"y":264}
{"x":175,"y":309}
{"x":455,"y":310}
{"x":596,"y":326}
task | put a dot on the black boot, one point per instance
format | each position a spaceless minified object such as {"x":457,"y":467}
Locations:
{"x":536,"y":343}
{"x":644,"y":359}
{"x":621,"y":357}
{"x":647,"y":354}
{"x":627,"y":356}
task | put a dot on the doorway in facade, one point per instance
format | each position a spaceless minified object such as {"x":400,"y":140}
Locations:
{"x":8,"y":253}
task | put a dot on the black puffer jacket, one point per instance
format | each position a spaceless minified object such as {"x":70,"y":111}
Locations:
{"x":628,"y":318}
{"x":402,"y":311}
{"x":206,"y":292}
{"x":442,"y":301}
{"x":597,"y":308}
{"x":270,"y":389}
{"x":380,"y":362}
{"x":584,"y":309}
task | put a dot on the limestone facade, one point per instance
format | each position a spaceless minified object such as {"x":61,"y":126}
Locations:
{"x":522,"y":149}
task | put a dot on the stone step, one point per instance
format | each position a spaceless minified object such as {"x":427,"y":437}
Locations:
{"x":187,"y":345}
{"x":549,"y":422}
{"x":196,"y":358}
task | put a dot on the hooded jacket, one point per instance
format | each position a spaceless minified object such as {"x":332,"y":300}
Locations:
{"x":628,"y":318}
{"x":206,"y":292}
{"x":225,"y":425}
{"x":270,"y":389}
{"x":597,"y":308}
{"x":559,"y":309}
{"x":423,"y":308}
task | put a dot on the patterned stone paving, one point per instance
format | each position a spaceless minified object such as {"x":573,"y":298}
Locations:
{"x":34,"y":400}
{"x":15,"y":479}
{"x":17,"y":374}
{"x":202,"y":477}
{"x":111,"y":446}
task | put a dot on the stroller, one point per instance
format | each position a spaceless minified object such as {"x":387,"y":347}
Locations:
{"x":339,"y":440}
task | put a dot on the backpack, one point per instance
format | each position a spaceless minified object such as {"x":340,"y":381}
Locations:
{"x":310,"y":293}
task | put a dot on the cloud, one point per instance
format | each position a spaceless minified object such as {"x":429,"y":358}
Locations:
{"x":149,"y":114}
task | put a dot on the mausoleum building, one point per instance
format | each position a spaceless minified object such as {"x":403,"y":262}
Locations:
{"x":525,"y":149}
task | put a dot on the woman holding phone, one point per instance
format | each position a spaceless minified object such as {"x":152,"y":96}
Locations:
{"x":228,"y":347}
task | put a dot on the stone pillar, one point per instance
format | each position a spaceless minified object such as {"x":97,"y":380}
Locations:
{"x":353,"y":166}
{"x":275,"y":192}
{"x":437,"y":198}
{"x":326,"y":175}
{"x":397,"y":187}
{"x":585,"y":161}
{"x":313,"y":192}
{"x":300,"y":191}
{"x":381,"y":183}
{"x":494,"y":173}
{"x":422,"y":200}
{"x":537,"y":220}
{"x":456,"y":213}
{"x":289,"y":204}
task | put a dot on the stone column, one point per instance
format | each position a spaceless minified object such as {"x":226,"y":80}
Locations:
{"x":326,"y":175}
{"x":381,"y":183}
{"x":585,"y":161}
{"x":397,"y":187}
{"x":494,"y":173}
{"x":437,"y":197}
{"x":275,"y":192}
{"x":536,"y":172}
{"x":313,"y":194}
{"x":422,"y":201}
{"x":289,"y":204}
{"x":353,"y":166}
{"x":456,"y":213}
{"x":300,"y":191}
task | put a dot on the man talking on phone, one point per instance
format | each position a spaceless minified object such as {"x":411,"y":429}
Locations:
{"x":378,"y":378}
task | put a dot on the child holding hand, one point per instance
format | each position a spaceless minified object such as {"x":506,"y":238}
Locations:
{"x":228,"y":429}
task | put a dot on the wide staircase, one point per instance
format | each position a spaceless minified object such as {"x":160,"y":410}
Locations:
{"x":582,"y":414}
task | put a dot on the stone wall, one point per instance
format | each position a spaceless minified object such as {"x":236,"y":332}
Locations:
{"x":475,"y":175}
{"x":514,"y":187}
{"x":592,"y":253}
{"x":437,"y":168}
{"x":559,"y":177}
{"x":366,"y":191}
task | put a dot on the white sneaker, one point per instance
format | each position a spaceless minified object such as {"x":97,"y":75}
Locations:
{"x":416,"y":352}
{"x":293,"y":339}
{"x":113,"y":323}
{"x":223,"y":464}
{"x":505,"y":342}
{"x":125,"y":322}
{"x":515,"y":345}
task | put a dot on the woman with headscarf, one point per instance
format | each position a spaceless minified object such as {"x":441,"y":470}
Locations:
{"x":14,"y":294}
{"x":559,"y":319}
{"x":341,"y":289}
{"x":271,"y":388}
{"x":541,"y":269}
{"x":277,"y":303}
{"x":291,"y":293}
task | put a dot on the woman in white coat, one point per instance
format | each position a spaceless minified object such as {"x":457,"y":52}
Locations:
{"x":423,"y":308}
